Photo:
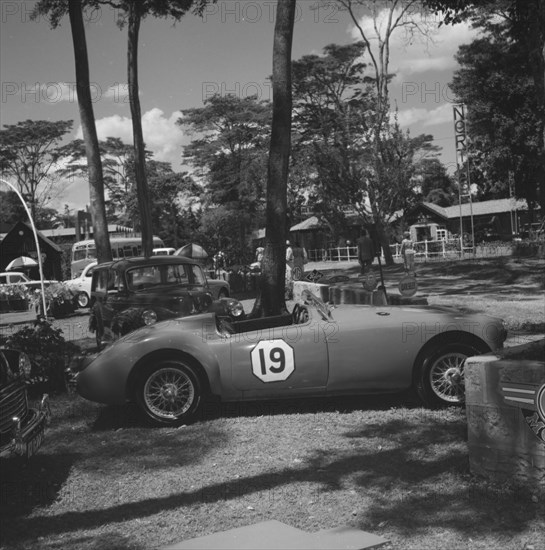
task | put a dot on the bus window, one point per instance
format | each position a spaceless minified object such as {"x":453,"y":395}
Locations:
{"x":80,"y":254}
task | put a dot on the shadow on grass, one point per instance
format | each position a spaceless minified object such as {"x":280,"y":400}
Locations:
{"x":420,"y":481}
{"x":25,"y":485}
{"x":215,"y":409}
{"x":109,"y":541}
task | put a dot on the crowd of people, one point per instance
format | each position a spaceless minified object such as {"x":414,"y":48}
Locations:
{"x":297,"y":257}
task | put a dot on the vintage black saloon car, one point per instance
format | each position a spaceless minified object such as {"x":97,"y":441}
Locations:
{"x":134,"y":292}
{"x":21,"y":427}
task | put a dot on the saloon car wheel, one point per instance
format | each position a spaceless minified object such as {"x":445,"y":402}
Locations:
{"x":169,"y":393}
{"x":83,"y":299}
{"x":440,"y":377}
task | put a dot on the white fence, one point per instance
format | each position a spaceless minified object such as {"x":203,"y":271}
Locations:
{"x":424,"y":251}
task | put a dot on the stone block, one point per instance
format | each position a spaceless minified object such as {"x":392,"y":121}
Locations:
{"x":505,"y":417}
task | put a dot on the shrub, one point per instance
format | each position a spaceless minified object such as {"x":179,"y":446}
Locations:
{"x":49,"y":354}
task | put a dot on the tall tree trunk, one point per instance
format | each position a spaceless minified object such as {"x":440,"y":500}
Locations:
{"x":142,"y":190}
{"x":271,"y":299}
{"x":94,"y":163}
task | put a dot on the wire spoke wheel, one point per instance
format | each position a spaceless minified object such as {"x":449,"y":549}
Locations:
{"x":169,"y":393}
{"x":446,"y":377}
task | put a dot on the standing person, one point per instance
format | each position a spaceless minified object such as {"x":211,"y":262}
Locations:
{"x":219,"y":265}
{"x":407,"y":252}
{"x":366,"y":251}
{"x":300,"y":258}
{"x":289,"y":270}
{"x":259,"y":252}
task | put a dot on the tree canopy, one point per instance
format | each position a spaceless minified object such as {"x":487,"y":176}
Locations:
{"x":228,"y":154}
{"x":29,"y":152}
{"x":495,"y":82}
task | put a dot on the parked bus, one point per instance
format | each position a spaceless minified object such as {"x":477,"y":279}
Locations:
{"x":84,"y":252}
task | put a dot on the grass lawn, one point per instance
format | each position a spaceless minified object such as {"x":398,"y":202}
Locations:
{"x":103,"y":480}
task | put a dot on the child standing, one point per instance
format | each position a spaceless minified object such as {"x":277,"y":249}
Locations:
{"x":407,"y":252}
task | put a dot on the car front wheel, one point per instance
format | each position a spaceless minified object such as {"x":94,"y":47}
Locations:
{"x":169,"y":392}
{"x":83,"y":299}
{"x":440,"y":375}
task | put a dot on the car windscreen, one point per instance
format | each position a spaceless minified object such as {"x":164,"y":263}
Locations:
{"x":145,"y":277}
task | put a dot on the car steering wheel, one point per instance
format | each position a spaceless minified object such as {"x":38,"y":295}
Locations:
{"x":300,"y":314}
{"x":295,"y":313}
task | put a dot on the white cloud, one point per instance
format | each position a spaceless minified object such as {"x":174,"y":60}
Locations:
{"x":426,"y":117}
{"x":411,"y":54}
{"x":163,"y":137}
{"x":54,"y":92}
{"x":118,"y":92}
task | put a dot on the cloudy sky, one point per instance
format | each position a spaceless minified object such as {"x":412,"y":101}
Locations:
{"x":229,"y":50}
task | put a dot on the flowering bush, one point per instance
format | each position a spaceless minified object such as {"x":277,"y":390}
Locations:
{"x":59,"y":299}
{"x":17,"y":291}
{"x":49,"y":354}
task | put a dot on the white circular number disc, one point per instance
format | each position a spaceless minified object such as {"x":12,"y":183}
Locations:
{"x":272,"y":360}
{"x":408,"y":286}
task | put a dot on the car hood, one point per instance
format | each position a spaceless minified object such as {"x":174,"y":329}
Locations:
{"x":409,"y":312}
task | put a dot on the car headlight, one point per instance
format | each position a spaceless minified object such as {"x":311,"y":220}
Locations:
{"x":24,"y":364}
{"x":235,"y":308}
{"x":149,"y":317}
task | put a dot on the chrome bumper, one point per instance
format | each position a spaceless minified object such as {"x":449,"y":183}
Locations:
{"x":28,"y":438}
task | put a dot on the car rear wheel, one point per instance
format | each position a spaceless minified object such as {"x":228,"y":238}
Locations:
{"x":440,"y":375}
{"x":83,"y":299}
{"x":169,"y":392}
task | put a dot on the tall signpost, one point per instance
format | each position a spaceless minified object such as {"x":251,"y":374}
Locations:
{"x":462,"y":171}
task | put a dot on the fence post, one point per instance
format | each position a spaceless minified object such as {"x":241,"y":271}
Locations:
{"x":444,"y":248}
{"x":426,"y":249}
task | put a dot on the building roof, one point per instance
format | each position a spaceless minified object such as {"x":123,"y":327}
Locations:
{"x":484,"y":208}
{"x":310,"y":223}
{"x":71,"y":231}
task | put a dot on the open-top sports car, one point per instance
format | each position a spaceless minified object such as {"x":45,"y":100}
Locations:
{"x":168,"y":368}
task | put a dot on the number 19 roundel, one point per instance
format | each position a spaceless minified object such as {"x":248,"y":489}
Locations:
{"x":272,"y":360}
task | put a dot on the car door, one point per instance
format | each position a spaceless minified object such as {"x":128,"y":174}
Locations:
{"x":118,"y":298}
{"x":280,"y":361}
{"x":370,"y":351}
{"x":197,"y":287}
{"x":105,"y":290}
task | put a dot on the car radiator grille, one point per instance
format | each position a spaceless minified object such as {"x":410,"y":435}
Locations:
{"x":13,"y":403}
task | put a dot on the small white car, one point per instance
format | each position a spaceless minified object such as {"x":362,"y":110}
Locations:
{"x":13,"y":277}
{"x":81,"y":285}
{"x":18,"y":277}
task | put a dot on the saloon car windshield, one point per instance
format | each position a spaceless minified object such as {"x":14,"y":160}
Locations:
{"x":150,"y":276}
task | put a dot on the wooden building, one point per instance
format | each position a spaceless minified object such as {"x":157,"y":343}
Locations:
{"x":19,"y":241}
